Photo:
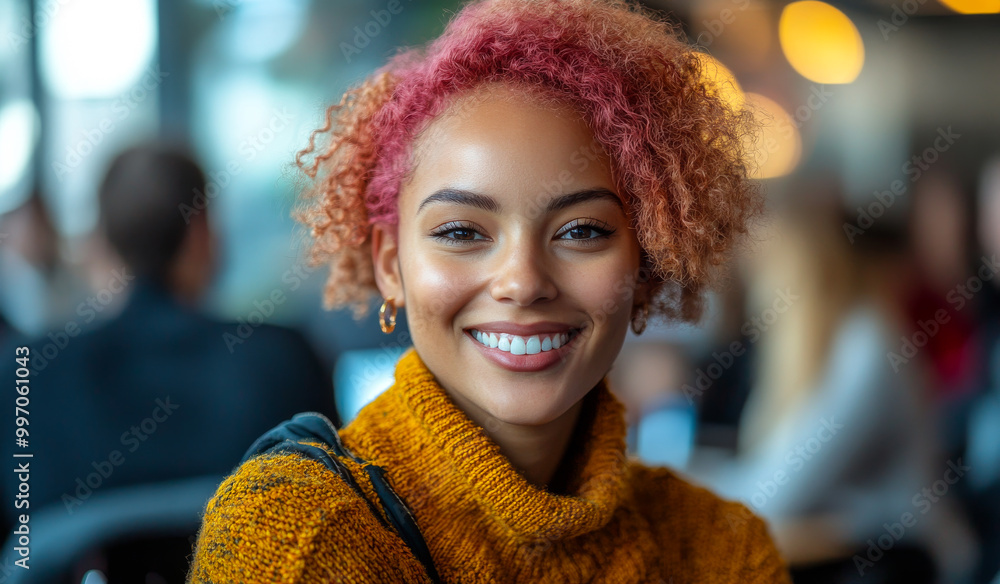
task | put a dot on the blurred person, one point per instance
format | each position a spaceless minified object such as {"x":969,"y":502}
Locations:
{"x":647,"y":378}
{"x":720,"y":377}
{"x":645,"y":374}
{"x":834,"y":441}
{"x":941,"y":236}
{"x":35,"y":284}
{"x":528,"y":187}
{"x":155,"y":393}
{"x":982,"y":438}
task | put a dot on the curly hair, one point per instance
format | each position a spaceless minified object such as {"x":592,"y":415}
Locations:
{"x":678,"y":148}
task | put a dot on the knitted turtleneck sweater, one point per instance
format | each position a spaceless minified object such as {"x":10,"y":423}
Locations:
{"x":282,"y":518}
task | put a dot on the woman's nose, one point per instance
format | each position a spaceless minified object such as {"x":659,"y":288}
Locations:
{"x":522,"y":274}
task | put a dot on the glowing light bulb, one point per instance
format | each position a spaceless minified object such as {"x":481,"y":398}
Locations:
{"x":973,"y":6}
{"x":821,"y":42}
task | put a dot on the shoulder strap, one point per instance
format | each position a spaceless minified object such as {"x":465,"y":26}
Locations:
{"x":315,"y":427}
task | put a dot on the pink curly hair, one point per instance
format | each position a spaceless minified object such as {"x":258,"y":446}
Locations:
{"x":678,"y":149}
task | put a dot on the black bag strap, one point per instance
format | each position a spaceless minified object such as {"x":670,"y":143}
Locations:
{"x":315,"y":427}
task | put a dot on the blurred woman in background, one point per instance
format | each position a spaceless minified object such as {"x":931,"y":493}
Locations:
{"x":834,"y":440}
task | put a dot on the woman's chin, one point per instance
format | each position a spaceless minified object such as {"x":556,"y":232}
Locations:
{"x":521,"y":412}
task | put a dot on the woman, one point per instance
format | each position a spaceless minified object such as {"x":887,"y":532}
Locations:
{"x":834,"y":441}
{"x":544,"y":175}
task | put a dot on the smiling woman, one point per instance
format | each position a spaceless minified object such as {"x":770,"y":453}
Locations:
{"x":540,"y":178}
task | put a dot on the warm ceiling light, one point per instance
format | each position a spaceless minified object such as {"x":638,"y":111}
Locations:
{"x":973,"y":6}
{"x":821,"y":42}
{"x":778,"y":145}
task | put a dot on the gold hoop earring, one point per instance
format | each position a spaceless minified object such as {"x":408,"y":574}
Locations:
{"x":387,"y":328}
{"x":639,"y":320}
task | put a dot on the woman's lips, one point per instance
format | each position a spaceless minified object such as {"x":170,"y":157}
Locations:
{"x":524,"y":353}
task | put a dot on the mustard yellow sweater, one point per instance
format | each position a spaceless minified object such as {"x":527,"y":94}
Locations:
{"x":282,"y":518}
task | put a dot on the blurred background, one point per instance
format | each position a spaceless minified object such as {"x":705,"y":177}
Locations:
{"x":844,"y":384}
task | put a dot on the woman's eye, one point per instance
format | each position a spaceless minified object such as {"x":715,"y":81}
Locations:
{"x":452,"y":234}
{"x":585,"y":232}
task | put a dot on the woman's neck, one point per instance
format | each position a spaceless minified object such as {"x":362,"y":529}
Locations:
{"x":536,"y":451}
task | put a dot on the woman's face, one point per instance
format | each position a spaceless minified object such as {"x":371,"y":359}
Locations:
{"x":515,"y":262}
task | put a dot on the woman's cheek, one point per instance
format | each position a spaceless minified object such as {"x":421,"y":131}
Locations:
{"x":606,"y":287}
{"x":437,"y":289}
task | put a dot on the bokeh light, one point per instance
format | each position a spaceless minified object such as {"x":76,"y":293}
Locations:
{"x":741,"y":32}
{"x":973,"y":6}
{"x":778,"y":145}
{"x":721,"y":81}
{"x":87,"y":53}
{"x":821,"y":42}
{"x":18,"y":131}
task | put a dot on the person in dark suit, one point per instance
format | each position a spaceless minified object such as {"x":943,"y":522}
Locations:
{"x":160,"y":391}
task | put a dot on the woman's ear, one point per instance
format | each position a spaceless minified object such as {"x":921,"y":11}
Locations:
{"x":385,"y":259}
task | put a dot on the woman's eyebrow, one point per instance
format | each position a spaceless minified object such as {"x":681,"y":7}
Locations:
{"x":581,"y":196}
{"x":488,"y":203}
{"x":461,"y":197}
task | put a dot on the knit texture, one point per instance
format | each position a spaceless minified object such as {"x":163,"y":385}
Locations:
{"x":282,"y":518}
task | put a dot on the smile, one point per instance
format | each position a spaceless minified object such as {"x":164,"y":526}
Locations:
{"x":525,"y":353}
{"x":523,"y":345}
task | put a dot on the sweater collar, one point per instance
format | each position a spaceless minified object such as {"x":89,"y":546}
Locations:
{"x":597,"y":463}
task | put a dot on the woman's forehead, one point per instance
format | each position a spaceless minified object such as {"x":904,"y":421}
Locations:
{"x":505,"y":141}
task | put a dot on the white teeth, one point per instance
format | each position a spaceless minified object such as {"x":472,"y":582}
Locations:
{"x":518,"y":345}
